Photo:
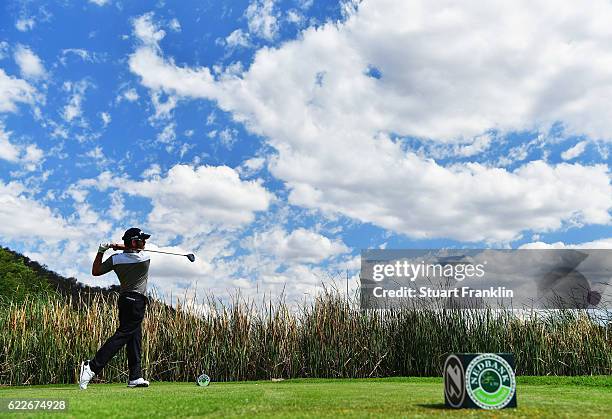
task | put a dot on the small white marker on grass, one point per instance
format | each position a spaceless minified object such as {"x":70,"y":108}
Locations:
{"x":203,"y":380}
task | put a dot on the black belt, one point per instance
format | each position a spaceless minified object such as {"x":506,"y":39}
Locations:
{"x":135,"y":294}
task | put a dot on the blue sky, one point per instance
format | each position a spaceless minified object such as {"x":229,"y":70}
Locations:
{"x":275,"y":139}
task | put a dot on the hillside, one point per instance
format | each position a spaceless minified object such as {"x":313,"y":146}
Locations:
{"x":20,"y":276}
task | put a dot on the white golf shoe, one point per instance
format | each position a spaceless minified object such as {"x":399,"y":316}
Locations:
{"x":86,"y":375}
{"x":139,"y":382}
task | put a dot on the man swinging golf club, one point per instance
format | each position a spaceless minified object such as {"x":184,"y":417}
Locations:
{"x":132,"y":269}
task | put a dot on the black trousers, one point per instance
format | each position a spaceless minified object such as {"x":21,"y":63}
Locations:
{"x":131,"y":313}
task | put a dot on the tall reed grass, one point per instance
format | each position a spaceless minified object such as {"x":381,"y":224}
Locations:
{"x":44,"y":340}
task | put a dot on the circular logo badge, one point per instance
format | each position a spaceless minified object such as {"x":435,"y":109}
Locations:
{"x":454,"y":381}
{"x":490,"y":381}
{"x":203,"y":380}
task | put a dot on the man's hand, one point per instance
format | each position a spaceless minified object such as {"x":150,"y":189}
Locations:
{"x":104,"y":247}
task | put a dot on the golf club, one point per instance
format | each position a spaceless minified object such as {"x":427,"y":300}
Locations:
{"x":189,"y":256}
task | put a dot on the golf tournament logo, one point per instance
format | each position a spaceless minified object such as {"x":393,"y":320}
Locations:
{"x":490,"y":381}
{"x":454,"y":381}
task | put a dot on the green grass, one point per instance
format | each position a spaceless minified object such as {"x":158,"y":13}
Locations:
{"x":389,"y":397}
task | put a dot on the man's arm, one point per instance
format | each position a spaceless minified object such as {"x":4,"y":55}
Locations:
{"x":97,"y":264}
{"x":98,"y":267}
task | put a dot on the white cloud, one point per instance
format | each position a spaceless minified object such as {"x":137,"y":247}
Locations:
{"x":293,"y":16}
{"x":175,"y":25}
{"x":26,"y":219}
{"x":151,"y":171}
{"x":479,"y":144}
{"x":25,"y":24}
{"x":8,"y":151}
{"x":156,"y":75}
{"x":299,"y":246}
{"x":59,"y":131}
{"x":166,"y":268}
{"x":520,"y":152}
{"x":217,"y":269}
{"x":191,"y":201}
{"x":163,"y":106}
{"x":33,"y":157}
{"x":96,"y":153}
{"x":326,"y":133}
{"x":66,"y":243}
{"x":305,"y":4}
{"x":28,"y":155}
{"x":77,"y":194}
{"x":596,"y":244}
{"x":30,"y":65}
{"x":465,"y":96}
{"x":106,"y":118}
{"x":298,"y":281}
{"x":146,"y":31}
{"x":262,"y":19}
{"x":265,"y":267}
{"x":117,"y":210}
{"x":228,"y":137}
{"x":185,"y":147}
{"x":13,"y":91}
{"x":251,"y":166}
{"x":574,"y":151}
{"x":238,"y":38}
{"x":33,"y":153}
{"x":131,"y":95}
{"x":255,"y":273}
{"x":468,"y":202}
{"x":3,"y":49}
{"x":168,"y":134}
{"x":100,"y":2}
{"x":73,"y":110}
{"x":83,"y":54}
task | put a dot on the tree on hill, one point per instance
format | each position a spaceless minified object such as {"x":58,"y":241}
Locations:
{"x":18,"y":280}
{"x":20,"y":276}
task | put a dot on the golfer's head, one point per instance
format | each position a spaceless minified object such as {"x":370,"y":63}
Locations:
{"x":134,"y":238}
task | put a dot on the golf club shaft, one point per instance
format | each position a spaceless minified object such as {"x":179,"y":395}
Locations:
{"x":189,"y":256}
{"x":166,"y":253}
